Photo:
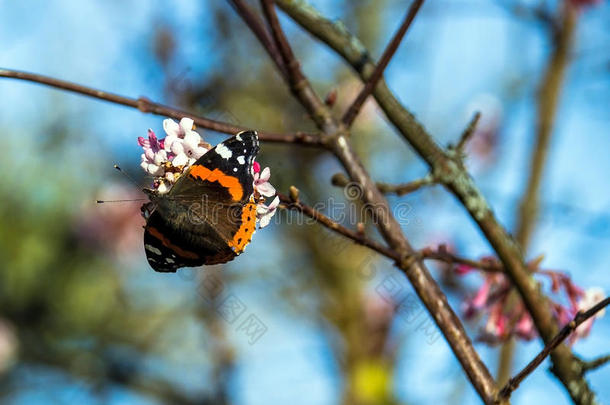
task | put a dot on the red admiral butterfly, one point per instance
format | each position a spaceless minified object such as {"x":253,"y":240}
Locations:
{"x":209,"y":215}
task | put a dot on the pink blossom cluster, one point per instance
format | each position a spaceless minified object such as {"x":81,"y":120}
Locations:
{"x":506,"y":314}
{"x":168,"y":158}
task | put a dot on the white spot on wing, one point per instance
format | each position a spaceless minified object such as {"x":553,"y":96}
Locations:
{"x":223,"y":151}
{"x":168,"y":260}
{"x":241,"y":160}
{"x":153,"y":249}
{"x":238,"y":137}
{"x":235,"y":169}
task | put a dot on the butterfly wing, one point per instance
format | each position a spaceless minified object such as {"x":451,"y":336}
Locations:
{"x":209,"y":215}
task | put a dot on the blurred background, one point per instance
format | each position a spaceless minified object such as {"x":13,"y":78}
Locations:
{"x":300,"y":317}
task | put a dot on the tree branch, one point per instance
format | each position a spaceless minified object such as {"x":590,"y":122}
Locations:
{"x":595,"y":364}
{"x":340,"y":180}
{"x":289,"y":67}
{"x":335,"y":135}
{"x":468,"y":132}
{"x":563,"y":334}
{"x":354,"y":108}
{"x":291,"y":202}
{"x":441,"y":254}
{"x":146,"y":106}
{"x":458,"y":181}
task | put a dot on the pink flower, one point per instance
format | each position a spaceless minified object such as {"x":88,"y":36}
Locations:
{"x":525,"y":327}
{"x":154,"y":157}
{"x":581,"y":4}
{"x":491,"y":300}
{"x":256,"y":167}
{"x":264,"y":213}
{"x":261,"y":182}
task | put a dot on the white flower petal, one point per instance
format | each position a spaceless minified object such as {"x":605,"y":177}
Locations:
{"x":186,"y":125}
{"x":275,"y":203}
{"x":177,"y":147}
{"x":171,"y":127}
{"x":155,"y":170}
{"x":266,"y":189}
{"x":264,"y":221}
{"x":180,"y":160}
{"x":192,"y":139}
{"x":163,"y":188}
{"x":159,"y":158}
{"x":200,"y":151}
{"x":149,"y":154}
{"x":265,"y":174}
{"x":169,"y":141}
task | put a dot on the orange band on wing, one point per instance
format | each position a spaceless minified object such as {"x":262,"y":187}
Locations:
{"x":248,"y":226}
{"x":181,"y":252}
{"x":230,"y":182}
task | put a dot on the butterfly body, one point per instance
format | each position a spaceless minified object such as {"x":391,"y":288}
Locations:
{"x":209,"y":215}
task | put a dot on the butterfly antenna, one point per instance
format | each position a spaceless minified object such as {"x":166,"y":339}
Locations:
{"x":114,"y":201}
{"x":126,"y":175}
{"x":131,"y":180}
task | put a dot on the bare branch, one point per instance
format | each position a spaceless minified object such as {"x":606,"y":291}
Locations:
{"x":259,"y":30}
{"x":457,"y":180}
{"x":282,"y":55}
{"x":596,"y":363}
{"x":290,"y":202}
{"x":563,"y":334}
{"x":468,"y":132}
{"x":354,"y":108}
{"x":146,"y":106}
{"x":294,"y":75}
{"x":340,"y":180}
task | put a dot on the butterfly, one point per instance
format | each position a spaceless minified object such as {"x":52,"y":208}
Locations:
{"x":209,"y":215}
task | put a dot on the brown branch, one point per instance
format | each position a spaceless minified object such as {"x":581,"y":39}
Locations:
{"x":290,"y":202}
{"x":340,"y":180}
{"x":354,"y":108}
{"x":436,"y":302}
{"x":563,"y":334}
{"x":294,"y":75}
{"x":596,"y":363}
{"x":258,"y":28}
{"x":146,"y":106}
{"x":468,"y":132}
{"x":458,"y":181}
{"x":282,"y":55}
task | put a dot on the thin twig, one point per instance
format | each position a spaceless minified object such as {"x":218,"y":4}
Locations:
{"x":292,"y":65}
{"x":354,"y":108}
{"x":340,"y":180}
{"x":563,"y":334}
{"x":440,"y":254}
{"x":147,"y":106}
{"x":295,"y":204}
{"x":282,"y":55}
{"x":595,"y":363}
{"x":258,"y":28}
{"x":457,"y":180}
{"x":468,"y":132}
